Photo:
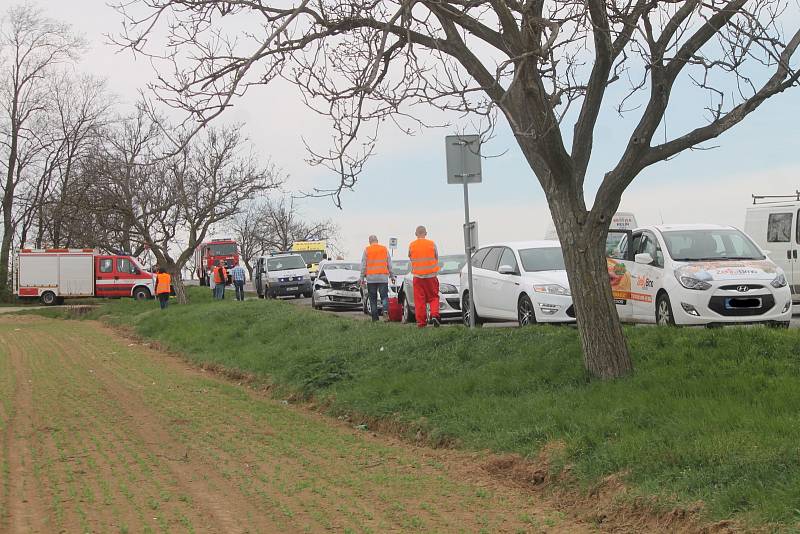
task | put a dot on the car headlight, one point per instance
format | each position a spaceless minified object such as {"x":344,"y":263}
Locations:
{"x":447,"y":288}
{"x":552,"y":289}
{"x":779,"y":282}
{"x":690,"y":282}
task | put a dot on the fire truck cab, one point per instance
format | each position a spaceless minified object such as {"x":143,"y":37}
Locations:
{"x":52,"y":275}
{"x":225,"y":250}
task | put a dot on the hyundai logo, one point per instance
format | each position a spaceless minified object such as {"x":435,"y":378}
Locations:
{"x":742,"y":289}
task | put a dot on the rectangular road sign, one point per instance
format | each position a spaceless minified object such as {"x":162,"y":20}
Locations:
{"x":463,"y":159}
{"x":392,"y":242}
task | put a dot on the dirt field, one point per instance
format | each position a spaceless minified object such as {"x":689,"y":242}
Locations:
{"x":100,"y":434}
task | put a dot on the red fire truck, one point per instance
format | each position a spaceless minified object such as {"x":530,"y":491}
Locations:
{"x":207,"y":254}
{"x":55,"y":274}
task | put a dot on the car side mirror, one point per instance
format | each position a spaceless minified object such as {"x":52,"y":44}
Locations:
{"x":644,"y":258}
{"x":506,"y":269}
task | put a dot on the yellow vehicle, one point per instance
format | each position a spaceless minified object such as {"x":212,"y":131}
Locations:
{"x":312,"y":252}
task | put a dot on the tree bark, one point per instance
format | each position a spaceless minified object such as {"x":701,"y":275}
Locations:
{"x":177,"y":282}
{"x":605,"y":351}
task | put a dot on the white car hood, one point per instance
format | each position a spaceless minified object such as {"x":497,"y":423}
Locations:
{"x":342,"y":275}
{"x":548,"y":277}
{"x":729,"y":270}
{"x":454,"y":279}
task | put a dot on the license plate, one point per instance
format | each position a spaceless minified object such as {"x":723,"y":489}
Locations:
{"x":295,"y":288}
{"x":738,"y":303}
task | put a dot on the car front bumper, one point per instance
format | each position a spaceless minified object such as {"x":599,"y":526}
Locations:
{"x":338,"y":298}
{"x":289,"y":289}
{"x":553,"y":308}
{"x":719,"y":307}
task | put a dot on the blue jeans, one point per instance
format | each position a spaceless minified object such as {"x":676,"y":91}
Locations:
{"x":239,"y":285}
{"x":372,"y":292}
{"x":219,"y":291}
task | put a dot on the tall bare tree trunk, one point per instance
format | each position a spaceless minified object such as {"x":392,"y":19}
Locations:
{"x":8,"y":205}
{"x":605,"y":351}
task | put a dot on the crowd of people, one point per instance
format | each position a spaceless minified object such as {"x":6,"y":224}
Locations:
{"x":376,"y":271}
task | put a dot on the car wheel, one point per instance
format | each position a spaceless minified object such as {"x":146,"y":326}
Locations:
{"x":314,"y":303}
{"x":466,"y":310}
{"x":48,"y":298}
{"x":525,"y":312}
{"x":408,"y":313}
{"x":141,"y":293}
{"x":365,"y":304}
{"x":664,"y":316}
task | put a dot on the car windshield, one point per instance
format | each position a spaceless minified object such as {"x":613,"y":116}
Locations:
{"x":451,"y":264}
{"x":342,"y":267}
{"x":401,"y":267}
{"x":284,"y":263}
{"x":542,"y":259}
{"x":223,"y":249}
{"x":311,"y":256}
{"x":708,"y":245}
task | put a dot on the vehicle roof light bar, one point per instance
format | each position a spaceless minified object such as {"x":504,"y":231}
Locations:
{"x":768,"y":199}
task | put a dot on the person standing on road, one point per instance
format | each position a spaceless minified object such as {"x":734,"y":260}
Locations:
{"x":220,"y":279}
{"x":376,"y":269}
{"x":424,"y":258}
{"x":163,"y":289}
{"x":238,"y":275}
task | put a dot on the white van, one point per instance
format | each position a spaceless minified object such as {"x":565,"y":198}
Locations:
{"x":282,"y":275}
{"x":774,"y":224}
{"x":696,"y":275}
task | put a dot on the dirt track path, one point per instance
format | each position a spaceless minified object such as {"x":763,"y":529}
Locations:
{"x":103,"y":435}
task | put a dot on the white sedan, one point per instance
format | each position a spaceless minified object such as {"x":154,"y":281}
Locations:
{"x":518,"y":281}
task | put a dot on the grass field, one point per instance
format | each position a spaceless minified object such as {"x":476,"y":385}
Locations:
{"x":710,"y":416}
{"x":107,"y":435}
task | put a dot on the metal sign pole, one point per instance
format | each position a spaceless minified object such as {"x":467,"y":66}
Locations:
{"x":463,"y":167}
{"x":468,"y":251}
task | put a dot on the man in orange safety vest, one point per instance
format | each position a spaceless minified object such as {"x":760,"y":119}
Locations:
{"x":220,"y":279}
{"x":163,"y":281}
{"x":376,"y":269}
{"x":424,"y":265}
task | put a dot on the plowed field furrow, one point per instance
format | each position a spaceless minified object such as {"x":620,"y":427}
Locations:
{"x":104,"y":435}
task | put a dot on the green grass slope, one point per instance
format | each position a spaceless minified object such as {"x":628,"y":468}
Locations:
{"x":710,"y":415}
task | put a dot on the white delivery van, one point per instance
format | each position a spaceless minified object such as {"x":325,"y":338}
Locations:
{"x":696,"y":275}
{"x":774,"y":224}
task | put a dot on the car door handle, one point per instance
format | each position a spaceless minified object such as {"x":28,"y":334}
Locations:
{"x":794,"y":253}
{"x":788,"y":254}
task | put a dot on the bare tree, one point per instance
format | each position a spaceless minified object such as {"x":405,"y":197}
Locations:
{"x":31,"y":46}
{"x":169,"y":201}
{"x":274,"y":225}
{"x":544,"y":66}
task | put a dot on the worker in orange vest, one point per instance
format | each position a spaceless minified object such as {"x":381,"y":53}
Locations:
{"x":424,"y":265}
{"x":376,"y":269}
{"x":220,"y":279}
{"x":163,"y":282}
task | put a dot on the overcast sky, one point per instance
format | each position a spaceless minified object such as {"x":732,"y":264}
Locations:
{"x":405,"y":184}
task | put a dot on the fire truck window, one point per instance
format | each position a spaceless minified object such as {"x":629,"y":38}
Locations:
{"x":124,"y":265}
{"x":106,"y":265}
{"x":779,"y":227}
